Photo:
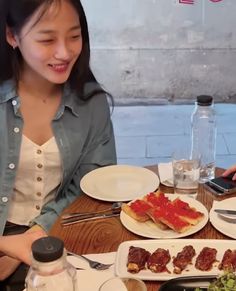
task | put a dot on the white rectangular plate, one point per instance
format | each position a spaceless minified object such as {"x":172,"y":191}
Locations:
{"x":174,"y":246}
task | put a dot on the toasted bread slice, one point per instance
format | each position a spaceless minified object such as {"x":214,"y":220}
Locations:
{"x":171,"y":219}
{"x":187,"y":213}
{"x":156,"y":199}
{"x":137,"y":210}
{"x":156,"y":220}
{"x":141,"y":211}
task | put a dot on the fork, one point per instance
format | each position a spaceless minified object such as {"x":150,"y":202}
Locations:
{"x":116,"y":206}
{"x":93,"y":264}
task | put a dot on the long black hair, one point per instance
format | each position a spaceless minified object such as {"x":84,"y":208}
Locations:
{"x":15,"y":14}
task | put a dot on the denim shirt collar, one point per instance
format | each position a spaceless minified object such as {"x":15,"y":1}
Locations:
{"x":8,"y":91}
{"x":70,"y":99}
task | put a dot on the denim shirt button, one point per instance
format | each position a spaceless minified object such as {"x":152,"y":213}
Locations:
{"x":11,"y":166}
{"x":14,"y":102}
{"x":16,"y":129}
{"x":4,"y":199}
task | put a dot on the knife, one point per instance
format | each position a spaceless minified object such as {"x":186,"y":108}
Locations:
{"x":115,"y":208}
{"x":77,"y":220}
{"x":225,"y":211}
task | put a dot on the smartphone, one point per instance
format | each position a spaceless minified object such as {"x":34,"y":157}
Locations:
{"x":213,"y":189}
{"x":223,"y":184}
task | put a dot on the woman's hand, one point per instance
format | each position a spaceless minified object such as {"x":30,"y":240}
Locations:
{"x":8,"y":266}
{"x":19,"y":246}
{"x":229,"y":171}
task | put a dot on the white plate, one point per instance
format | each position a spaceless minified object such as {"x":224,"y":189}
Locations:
{"x":174,"y":247}
{"x":224,"y":225}
{"x":150,"y":230}
{"x":119,"y":183}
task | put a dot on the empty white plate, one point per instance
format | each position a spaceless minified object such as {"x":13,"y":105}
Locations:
{"x":119,"y":183}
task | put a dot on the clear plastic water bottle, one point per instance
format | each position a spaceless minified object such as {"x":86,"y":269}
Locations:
{"x":203,"y":124}
{"x":50,"y":270}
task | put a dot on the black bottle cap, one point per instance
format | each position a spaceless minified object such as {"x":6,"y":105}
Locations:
{"x":47,"y":249}
{"x":204,"y":100}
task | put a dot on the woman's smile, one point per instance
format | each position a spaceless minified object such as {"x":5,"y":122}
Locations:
{"x":60,"y":68}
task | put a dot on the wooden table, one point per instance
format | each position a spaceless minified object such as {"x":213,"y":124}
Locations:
{"x":105,"y":235}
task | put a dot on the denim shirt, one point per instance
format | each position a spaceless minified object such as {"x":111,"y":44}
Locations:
{"x":84,"y":136}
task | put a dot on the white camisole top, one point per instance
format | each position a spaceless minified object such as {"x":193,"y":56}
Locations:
{"x":38,"y":178}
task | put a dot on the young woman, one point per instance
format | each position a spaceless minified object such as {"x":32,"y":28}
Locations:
{"x":54,"y":117}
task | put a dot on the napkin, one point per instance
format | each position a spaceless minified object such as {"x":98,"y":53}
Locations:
{"x":166,"y":174}
{"x":90,"y":279}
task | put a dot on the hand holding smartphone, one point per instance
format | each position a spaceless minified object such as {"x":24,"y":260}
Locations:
{"x":223,"y":185}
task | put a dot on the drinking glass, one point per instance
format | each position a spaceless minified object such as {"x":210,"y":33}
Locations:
{"x":186,"y":172}
{"x":123,"y":284}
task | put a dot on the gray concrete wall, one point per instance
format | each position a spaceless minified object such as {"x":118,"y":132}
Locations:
{"x":160,"y":51}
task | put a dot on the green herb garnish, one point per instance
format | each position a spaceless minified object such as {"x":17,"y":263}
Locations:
{"x":226,"y":282}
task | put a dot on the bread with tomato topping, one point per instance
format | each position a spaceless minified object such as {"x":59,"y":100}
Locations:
{"x":141,"y":211}
{"x":187,"y":213}
{"x":168,"y":217}
{"x":165,"y":213}
{"x":156,"y":199}
{"x":137,"y":210}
